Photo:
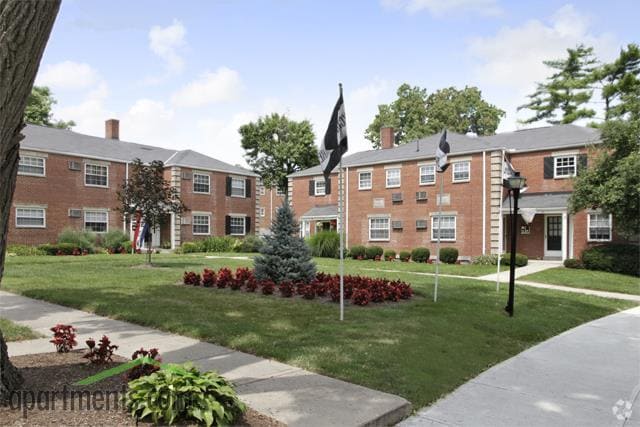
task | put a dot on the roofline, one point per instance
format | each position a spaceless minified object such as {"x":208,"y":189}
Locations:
{"x":247,"y":173}
{"x":69,"y":153}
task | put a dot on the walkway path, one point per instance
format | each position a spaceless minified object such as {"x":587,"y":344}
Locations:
{"x":289,"y":394}
{"x":533,"y":266}
{"x":584,"y":377}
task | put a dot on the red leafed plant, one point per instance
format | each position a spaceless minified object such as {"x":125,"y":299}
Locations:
{"x":361,"y":297}
{"x":208,"y":278}
{"x":404,"y":290}
{"x":145,"y":368}
{"x":252,"y":285}
{"x":268,"y":287}
{"x":319,"y":287}
{"x":64,"y":337}
{"x":225,"y":278}
{"x":243,"y":275}
{"x":102,"y":352}
{"x":191,"y":278}
{"x":308,"y":292}
{"x":286,"y":289}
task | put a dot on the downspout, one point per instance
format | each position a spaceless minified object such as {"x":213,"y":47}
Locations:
{"x":124,"y":216}
{"x":484,"y":202}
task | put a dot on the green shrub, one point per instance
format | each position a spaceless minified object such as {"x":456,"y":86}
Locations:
{"x":78,"y":238}
{"x":449,"y":255}
{"x":180,"y":393}
{"x":220,"y":244}
{"x":357,"y":252}
{"x":420,"y":254}
{"x":24,"y":250}
{"x":521,"y":259}
{"x":251,"y":243}
{"x":405,"y":256}
{"x":128,"y":246}
{"x":615,"y":258}
{"x":325,"y":244}
{"x":115,"y":240}
{"x":65,"y":248}
{"x":572,"y":263}
{"x":389,"y":254}
{"x":374,"y":251}
{"x":48,"y":248}
{"x":491,"y":259}
{"x":191,"y":247}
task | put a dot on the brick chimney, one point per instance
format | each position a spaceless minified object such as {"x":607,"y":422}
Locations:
{"x":112,"y":129}
{"x":386,"y":137}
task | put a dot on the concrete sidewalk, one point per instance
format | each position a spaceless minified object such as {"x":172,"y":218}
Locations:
{"x":533,"y":266}
{"x":291,"y":395}
{"x":587,"y":376}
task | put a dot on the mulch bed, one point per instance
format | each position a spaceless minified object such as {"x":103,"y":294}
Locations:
{"x":49,"y":373}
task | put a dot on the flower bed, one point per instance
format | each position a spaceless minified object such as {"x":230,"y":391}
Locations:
{"x":357,"y":289}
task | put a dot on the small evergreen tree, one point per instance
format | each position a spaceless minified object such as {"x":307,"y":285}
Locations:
{"x":285,"y":255}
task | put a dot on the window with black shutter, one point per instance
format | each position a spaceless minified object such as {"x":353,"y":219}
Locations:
{"x":227,"y":220}
{"x":582,"y":163}
{"x":548,"y":168}
{"x":312,"y":187}
{"x":247,"y":225}
{"x":327,"y":189}
{"x":228,"y":192}
{"x":247,"y":188}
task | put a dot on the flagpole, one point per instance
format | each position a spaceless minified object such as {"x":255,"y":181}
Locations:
{"x":435,"y":291}
{"x":341,"y":213}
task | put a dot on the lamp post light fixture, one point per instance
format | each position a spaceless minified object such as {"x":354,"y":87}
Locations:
{"x":513,"y":184}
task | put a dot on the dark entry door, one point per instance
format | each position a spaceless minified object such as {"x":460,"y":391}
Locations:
{"x":554,"y":233}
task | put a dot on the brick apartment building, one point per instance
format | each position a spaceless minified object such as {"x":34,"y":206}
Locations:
{"x":391,"y":194}
{"x":270,"y":199}
{"x":70,"y":180}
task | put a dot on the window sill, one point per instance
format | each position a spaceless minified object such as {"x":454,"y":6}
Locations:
{"x":201,"y":234}
{"x":202,"y":192}
{"x":237,"y":234}
{"x":364,"y":189}
{"x":598,"y":240}
{"x":96,"y":186}
{"x":462,"y":181}
{"x":394,"y":186}
{"x":31,"y":226}
{"x":379,"y":240}
{"x":564,"y":177}
{"x":427,"y":184}
{"x":32,"y":174}
{"x":443,"y":240}
{"x":238,"y":197}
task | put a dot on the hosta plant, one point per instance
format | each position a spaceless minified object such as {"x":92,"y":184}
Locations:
{"x":64,"y":338}
{"x":181,"y":393}
{"x":146,"y":368}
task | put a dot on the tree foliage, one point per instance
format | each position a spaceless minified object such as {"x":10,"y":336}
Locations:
{"x":416,"y":114}
{"x":620,"y":84}
{"x":613,"y":182}
{"x":146,"y":191}
{"x":38,"y":110}
{"x":276,"y":146}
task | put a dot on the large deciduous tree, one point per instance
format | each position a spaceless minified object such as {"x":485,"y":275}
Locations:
{"x":39,"y":112}
{"x":24,"y":30}
{"x":148,"y":194}
{"x":276,"y":146}
{"x":415,"y":114}
{"x":562,"y":98}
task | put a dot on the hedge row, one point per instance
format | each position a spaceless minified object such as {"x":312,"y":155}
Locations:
{"x":447,"y":255}
{"x":250,"y":243}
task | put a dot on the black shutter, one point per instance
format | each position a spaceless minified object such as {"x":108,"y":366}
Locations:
{"x":227,"y":224}
{"x":247,"y":188}
{"x":312,"y":187}
{"x":247,"y":225}
{"x":327,"y":188}
{"x":228,"y":186}
{"x":582,"y":163}
{"x":548,"y":168}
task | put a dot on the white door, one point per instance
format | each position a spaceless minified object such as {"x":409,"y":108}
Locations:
{"x":553,"y":236}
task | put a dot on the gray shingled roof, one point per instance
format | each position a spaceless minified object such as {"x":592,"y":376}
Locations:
{"x":559,"y":200}
{"x":51,"y":140}
{"x":321,"y":212}
{"x":535,"y":139}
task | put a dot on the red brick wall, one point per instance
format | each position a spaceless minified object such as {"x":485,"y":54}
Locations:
{"x":270,"y":201}
{"x":60,"y":190}
{"x":302,"y":201}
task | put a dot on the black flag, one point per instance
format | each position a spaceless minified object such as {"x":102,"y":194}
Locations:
{"x":441,"y":153}
{"x":335,"y":139}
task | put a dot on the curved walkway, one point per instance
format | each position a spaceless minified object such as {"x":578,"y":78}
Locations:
{"x":587,"y":376}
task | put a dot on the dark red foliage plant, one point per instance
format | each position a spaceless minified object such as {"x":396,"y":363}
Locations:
{"x":361,"y":297}
{"x":146,"y":368}
{"x":208,"y":278}
{"x":268,"y":287}
{"x":308,"y":292}
{"x":191,"y":278}
{"x":102,"y":352}
{"x":286,"y":289}
{"x":243,"y":275}
{"x":64,"y":337}
{"x":225,"y":278}
{"x":252,"y":285}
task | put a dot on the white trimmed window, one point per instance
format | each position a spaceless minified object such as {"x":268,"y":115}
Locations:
{"x":427,"y":174}
{"x":446,"y":227}
{"x":236,"y":225}
{"x":238,"y":187}
{"x":261,"y":212}
{"x":365,"y":180}
{"x":599,"y":227}
{"x":393,"y":177}
{"x":564,"y":166}
{"x":279,"y":192}
{"x":31,"y":218}
{"x":201,"y":183}
{"x":31,"y":165}
{"x":96,"y":221}
{"x":96,"y":175}
{"x":461,"y":171}
{"x":379,"y":229}
{"x":262,"y":190}
{"x":320,"y":187}
{"x":201,"y":224}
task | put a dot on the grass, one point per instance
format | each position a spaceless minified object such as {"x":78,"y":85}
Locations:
{"x":14,"y":332}
{"x":588,"y":279}
{"x":418,"y":349}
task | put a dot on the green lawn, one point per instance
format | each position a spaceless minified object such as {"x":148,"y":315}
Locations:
{"x":416,"y":349}
{"x":14,"y":332}
{"x":589,"y":279}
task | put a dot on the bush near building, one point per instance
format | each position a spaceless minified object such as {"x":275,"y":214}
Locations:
{"x":325,"y":244}
{"x":449,"y":255}
{"x":420,"y":255}
{"x":521,"y":260}
{"x":615,"y":258}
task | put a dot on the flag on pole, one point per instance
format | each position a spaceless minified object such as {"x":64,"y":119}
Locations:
{"x":442,"y":151}
{"x":142,"y":235}
{"x":335,"y":139}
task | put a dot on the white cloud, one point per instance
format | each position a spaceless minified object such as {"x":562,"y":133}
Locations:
{"x":443,"y":7}
{"x":67,"y":75}
{"x":509,"y":63}
{"x":361,"y":106}
{"x":223,"y":85}
{"x":148,"y":122}
{"x":166,"y":42}
{"x":90,"y":114}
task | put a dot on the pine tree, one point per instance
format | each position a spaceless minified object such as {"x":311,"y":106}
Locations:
{"x":285,"y":255}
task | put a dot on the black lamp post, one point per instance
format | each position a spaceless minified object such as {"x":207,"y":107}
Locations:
{"x":513,"y":184}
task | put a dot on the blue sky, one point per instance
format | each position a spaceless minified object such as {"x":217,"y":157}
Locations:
{"x":187,"y":74}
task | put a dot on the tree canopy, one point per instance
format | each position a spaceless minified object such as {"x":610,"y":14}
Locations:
{"x":416,"y":114}
{"x":620,"y":85}
{"x":38,"y":111}
{"x":276,"y":146}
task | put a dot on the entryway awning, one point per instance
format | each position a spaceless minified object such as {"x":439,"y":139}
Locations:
{"x":530,"y":204}
{"x":321,"y":212}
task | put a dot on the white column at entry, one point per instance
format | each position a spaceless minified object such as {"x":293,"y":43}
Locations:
{"x":565,"y":235}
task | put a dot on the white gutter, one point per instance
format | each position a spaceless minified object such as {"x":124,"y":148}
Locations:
{"x":484,"y":202}
{"x":124,"y":217}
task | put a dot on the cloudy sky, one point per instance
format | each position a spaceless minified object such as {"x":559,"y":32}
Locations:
{"x":187,"y":74}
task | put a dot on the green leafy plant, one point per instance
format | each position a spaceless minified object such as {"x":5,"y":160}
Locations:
{"x":389,"y":255}
{"x":78,"y":238}
{"x":420,"y":255}
{"x":572,"y":263}
{"x":115,"y":240}
{"x":521,"y":259}
{"x":191,"y":247}
{"x":220,"y":244}
{"x":251,"y":243}
{"x":325,"y":244}
{"x":449,"y":255}
{"x":405,"y":256}
{"x":182,"y":393}
{"x":374,"y":252}
{"x":24,"y":250}
{"x":615,"y":258}
{"x":357,"y":252}
{"x":491,"y":259}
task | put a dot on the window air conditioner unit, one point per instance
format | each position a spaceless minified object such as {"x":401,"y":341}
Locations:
{"x":185,"y":220}
{"x":74,"y":166}
{"x":75,"y":213}
{"x":396,"y":197}
{"x":396,"y":225}
{"x":421,"y":224}
{"x":187,"y":175}
{"x":421,"y":195}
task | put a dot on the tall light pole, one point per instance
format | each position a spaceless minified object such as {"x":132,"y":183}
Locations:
{"x":513,"y":184}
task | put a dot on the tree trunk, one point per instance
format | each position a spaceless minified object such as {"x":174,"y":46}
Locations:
{"x":25,"y":26}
